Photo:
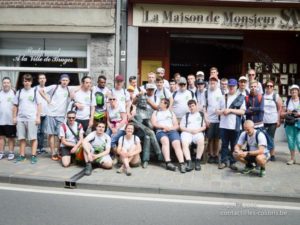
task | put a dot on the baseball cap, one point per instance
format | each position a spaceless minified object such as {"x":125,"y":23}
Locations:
{"x":243,"y":78}
{"x":150,"y":86}
{"x":119,"y":78}
{"x":294,"y":86}
{"x":232,"y":82}
{"x":64,"y":75}
{"x":200,"y":81}
{"x":130,"y":88}
{"x":182,"y":80}
{"x":199,"y":73}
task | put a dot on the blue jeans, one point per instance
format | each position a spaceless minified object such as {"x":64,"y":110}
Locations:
{"x":228,"y":137}
{"x":41,"y":132}
{"x":115,"y":137}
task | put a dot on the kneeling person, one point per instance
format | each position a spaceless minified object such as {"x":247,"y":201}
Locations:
{"x":96,"y":149}
{"x":71,"y":136}
{"x":257,"y":151}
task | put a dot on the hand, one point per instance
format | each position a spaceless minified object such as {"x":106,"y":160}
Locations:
{"x":226,"y":111}
{"x":278,"y":123}
{"x":94,"y":157}
{"x":124,"y":154}
{"x":79,"y":106}
{"x":90,"y":157}
{"x":74,"y":149}
{"x":91,"y":122}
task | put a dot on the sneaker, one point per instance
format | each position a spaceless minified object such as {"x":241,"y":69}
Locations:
{"x":20,"y":158}
{"x":189,"y":166}
{"x":33,"y":159}
{"x":222,"y":166}
{"x":88,"y":169}
{"x":233,"y":167}
{"x":182,"y":168}
{"x":1,"y":155}
{"x":262,"y":172}
{"x":291,"y":162}
{"x":197,"y":165}
{"x":170,"y":166}
{"x":211,"y":159}
{"x":10,"y":156}
{"x":216,"y":160}
{"x":145,"y":164}
{"x":272,"y":158}
{"x":248,"y":170}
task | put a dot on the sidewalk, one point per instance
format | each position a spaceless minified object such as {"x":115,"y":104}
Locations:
{"x":282,"y":182}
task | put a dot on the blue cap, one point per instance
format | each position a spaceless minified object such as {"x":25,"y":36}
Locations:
{"x":232,"y":82}
{"x":64,"y":75}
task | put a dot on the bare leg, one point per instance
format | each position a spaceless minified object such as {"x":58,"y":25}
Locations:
{"x":200,"y":148}
{"x":2,"y":143}
{"x":165,"y":148}
{"x":186,"y":150}
{"x":178,"y":151}
{"x":11,"y":144}
{"x":33,"y":146}
{"x":66,"y":161}
{"x":22,"y":147}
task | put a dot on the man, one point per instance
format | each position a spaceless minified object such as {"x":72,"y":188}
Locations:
{"x":71,"y":136}
{"x":166,"y":126}
{"x":232,"y":107}
{"x":200,"y":95}
{"x":252,"y":77}
{"x":257,"y":151}
{"x":96,"y":149}
{"x":151,"y":104}
{"x":151,"y":80}
{"x":224,"y":86}
{"x":181,"y":98}
{"x":173,"y":86}
{"x":7,"y":127}
{"x":177,"y":77}
{"x":101,"y":93}
{"x":192,"y":126}
{"x":255,"y":106}
{"x":85,"y":103}
{"x":133,"y":83}
{"x":243,"y":86}
{"x":213,"y":98}
{"x":26,"y":114}
{"x":191,"y":79}
{"x":215,"y":73}
{"x":121,"y":94}
{"x":162,"y":92}
{"x":58,"y":98}
{"x":44,"y":111}
{"x":161,"y":73}
{"x":200,"y":75}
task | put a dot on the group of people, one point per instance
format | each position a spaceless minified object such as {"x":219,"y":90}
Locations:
{"x":95,"y":125}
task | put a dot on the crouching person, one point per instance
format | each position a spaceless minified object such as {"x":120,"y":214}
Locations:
{"x":71,"y":136}
{"x":129,"y":149}
{"x":256,"y":153}
{"x":96,"y":149}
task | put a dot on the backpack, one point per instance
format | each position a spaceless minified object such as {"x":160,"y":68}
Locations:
{"x":270,"y":141}
{"x":34,"y":97}
{"x":187,"y":116}
{"x":100,"y":99}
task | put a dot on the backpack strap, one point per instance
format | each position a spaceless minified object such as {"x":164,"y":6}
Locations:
{"x":192,"y":93}
{"x":226,"y":100}
{"x":19,"y":96}
{"x":75,"y":135}
{"x":186,"y":119}
{"x":202,"y":115}
{"x":174,"y":94}
{"x":206,"y":97}
{"x":64,"y":128}
{"x":55,"y":89}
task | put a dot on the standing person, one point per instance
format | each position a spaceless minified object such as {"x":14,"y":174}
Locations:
{"x":272,"y":112}
{"x":26,"y":114}
{"x":151,"y":80}
{"x":71,"y":136}
{"x":224,"y":86}
{"x":101,"y":93}
{"x":58,"y":98}
{"x":162,"y":92}
{"x":85,"y":103}
{"x":7,"y":127}
{"x":232,"y":108}
{"x":191,"y":79}
{"x":214,"y":96}
{"x":200,"y":95}
{"x":213,"y":72}
{"x":129,"y":149}
{"x":161,"y":72}
{"x":44,"y":111}
{"x":255,"y":106}
{"x":165,"y":122}
{"x":200,"y":75}
{"x":192,"y":126}
{"x":133,"y":83}
{"x":252,"y":77}
{"x":177,"y":77}
{"x":96,"y":149}
{"x":292,"y":114}
{"x":243,"y":86}
{"x":173,"y":86}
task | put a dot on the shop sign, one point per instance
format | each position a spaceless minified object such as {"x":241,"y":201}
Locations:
{"x":216,"y":18}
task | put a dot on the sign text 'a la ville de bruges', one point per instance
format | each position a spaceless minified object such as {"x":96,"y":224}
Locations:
{"x":279,"y":19}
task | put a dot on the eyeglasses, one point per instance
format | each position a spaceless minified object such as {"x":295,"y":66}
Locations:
{"x":269,"y":86}
{"x":182,"y":84}
{"x":71,"y":117}
{"x":112,"y":99}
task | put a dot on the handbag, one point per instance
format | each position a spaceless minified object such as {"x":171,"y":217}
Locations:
{"x":290,"y":120}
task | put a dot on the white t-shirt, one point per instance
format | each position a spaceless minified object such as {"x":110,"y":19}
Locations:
{"x":64,"y":131}
{"x":270,"y":108}
{"x":105,"y":91}
{"x":99,"y":142}
{"x":114,"y":115}
{"x":262,"y":141}
{"x":201,"y":100}
{"x":213,"y":103}
{"x":60,"y":100}
{"x":127,"y":144}
{"x":180,"y":107}
{"x":229,"y":121}
{"x":166,"y":84}
{"x":6,"y":106}
{"x":44,"y":104}
{"x":27,"y":104}
{"x":160,"y":94}
{"x":87,"y":99}
{"x":194,"y":120}
{"x":164,"y":118}
{"x":153,"y":100}
{"x":293,"y":105}
{"x":122,"y":96}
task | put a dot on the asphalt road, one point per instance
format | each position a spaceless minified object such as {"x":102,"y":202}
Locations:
{"x":22,"y":205}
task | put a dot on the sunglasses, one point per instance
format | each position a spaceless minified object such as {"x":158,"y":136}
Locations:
{"x":182,"y":84}
{"x":112,"y":99}
{"x":71,"y":118}
{"x":251,"y":74}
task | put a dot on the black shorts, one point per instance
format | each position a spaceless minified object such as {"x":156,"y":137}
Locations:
{"x":9,"y":131}
{"x":250,"y":159}
{"x":65,"y":151}
{"x":213,"y":132}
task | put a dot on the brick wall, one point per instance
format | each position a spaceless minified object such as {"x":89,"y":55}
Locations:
{"x":84,"y":4}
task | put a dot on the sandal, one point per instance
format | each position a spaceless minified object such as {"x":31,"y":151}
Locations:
{"x":55,"y":157}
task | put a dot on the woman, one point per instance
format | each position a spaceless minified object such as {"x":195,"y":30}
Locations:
{"x":291,"y":115}
{"x":129,"y":149}
{"x":272,"y":111}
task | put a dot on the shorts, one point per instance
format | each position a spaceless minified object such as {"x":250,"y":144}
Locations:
{"x":252,"y":159}
{"x":189,"y":138}
{"x":53,"y":124}
{"x":27,"y":130}
{"x":103,"y":159}
{"x":271,"y":128}
{"x":84,"y":123}
{"x":65,"y":151}
{"x":213,"y":132}
{"x":173,"y":135}
{"x":9,"y":131}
